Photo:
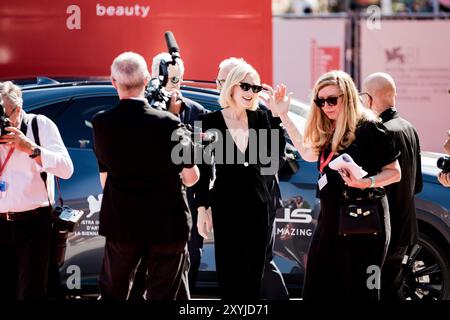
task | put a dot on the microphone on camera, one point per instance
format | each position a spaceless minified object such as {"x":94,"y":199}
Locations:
{"x":172,"y":44}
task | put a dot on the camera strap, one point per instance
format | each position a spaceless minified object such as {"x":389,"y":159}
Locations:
{"x":35,"y":128}
{"x":24,"y":123}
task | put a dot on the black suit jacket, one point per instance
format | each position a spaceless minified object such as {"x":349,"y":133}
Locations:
{"x":237,"y":177}
{"x":272,"y":182}
{"x":401,"y":195}
{"x":188,"y":116}
{"x":191,"y":111}
{"x":143,"y":199}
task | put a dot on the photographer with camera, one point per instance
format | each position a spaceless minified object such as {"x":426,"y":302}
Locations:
{"x":144,"y":213}
{"x":25,"y":213}
{"x":171,"y":77}
{"x":444,"y":164}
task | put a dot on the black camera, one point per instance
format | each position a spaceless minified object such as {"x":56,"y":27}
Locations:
{"x":4,"y":121}
{"x":156,"y":94}
{"x":66,"y":218}
{"x":159,"y":98}
{"x":443,"y":163}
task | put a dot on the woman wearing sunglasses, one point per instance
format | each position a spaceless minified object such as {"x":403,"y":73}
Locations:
{"x":339,"y":266}
{"x":237,"y":205}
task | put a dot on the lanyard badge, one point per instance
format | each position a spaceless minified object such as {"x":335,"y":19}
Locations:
{"x":3,"y":184}
{"x":323,"y":163}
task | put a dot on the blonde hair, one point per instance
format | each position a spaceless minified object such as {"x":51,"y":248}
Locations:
{"x":12,"y":92}
{"x":319,"y":128}
{"x":236,"y":75}
{"x":231,"y":63}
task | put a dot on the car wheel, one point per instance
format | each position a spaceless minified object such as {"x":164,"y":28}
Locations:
{"x":427,"y":273}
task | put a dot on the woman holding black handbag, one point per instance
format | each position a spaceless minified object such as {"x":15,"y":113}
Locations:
{"x":346,"y":256}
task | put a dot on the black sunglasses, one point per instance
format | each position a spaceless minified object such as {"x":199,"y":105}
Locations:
{"x":247,"y":86}
{"x":331,"y":101}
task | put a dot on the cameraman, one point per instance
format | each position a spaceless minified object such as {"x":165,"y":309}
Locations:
{"x":25,"y":220}
{"x":143,"y":213}
{"x":444,"y":177}
{"x":188,"y":111}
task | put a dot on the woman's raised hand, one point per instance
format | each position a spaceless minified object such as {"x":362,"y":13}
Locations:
{"x":276,"y":100}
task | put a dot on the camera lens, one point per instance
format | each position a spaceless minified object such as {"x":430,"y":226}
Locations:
{"x":443,"y":163}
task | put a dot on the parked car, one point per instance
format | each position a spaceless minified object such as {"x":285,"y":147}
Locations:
{"x":72,"y":105}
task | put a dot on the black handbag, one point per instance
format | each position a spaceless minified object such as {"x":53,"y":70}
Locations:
{"x":65,"y":219}
{"x":361,"y":216}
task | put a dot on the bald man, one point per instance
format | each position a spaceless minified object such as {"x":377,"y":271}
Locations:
{"x":379,"y":92}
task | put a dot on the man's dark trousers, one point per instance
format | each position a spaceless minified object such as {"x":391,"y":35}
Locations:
{"x":165,"y":265}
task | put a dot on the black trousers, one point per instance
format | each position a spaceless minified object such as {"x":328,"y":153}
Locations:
{"x":240,"y":240}
{"x":392,"y":275}
{"x":193,"y":258}
{"x":165,"y":266}
{"x":138,"y":287}
{"x":195,"y":247}
{"x":273,"y":286}
{"x":24,"y":252}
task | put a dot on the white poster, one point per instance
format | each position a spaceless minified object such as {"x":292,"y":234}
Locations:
{"x":417,"y":55}
{"x":304,"y":49}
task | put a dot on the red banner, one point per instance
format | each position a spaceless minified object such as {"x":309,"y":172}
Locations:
{"x":81,"y":38}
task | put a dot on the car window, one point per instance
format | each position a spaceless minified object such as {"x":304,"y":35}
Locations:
{"x":75,"y":123}
{"x":50,"y":111}
{"x":207,"y":101}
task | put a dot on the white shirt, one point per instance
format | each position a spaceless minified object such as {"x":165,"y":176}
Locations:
{"x":25,"y":189}
{"x":138,"y":98}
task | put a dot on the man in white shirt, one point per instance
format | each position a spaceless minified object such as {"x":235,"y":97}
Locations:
{"x":25,"y":221}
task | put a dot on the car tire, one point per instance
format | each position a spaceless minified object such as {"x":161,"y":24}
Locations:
{"x":427,"y":272}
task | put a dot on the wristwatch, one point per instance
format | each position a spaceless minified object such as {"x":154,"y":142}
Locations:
{"x":36,"y":153}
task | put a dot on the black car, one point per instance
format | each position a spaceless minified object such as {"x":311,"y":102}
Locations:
{"x":72,"y":105}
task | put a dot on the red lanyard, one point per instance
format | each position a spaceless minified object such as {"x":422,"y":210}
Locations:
{"x":2,"y":167}
{"x":323,"y":162}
